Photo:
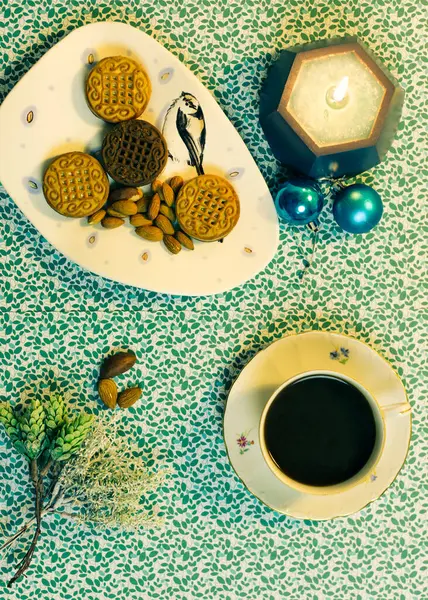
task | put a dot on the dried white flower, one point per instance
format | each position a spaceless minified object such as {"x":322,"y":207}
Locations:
{"x":108,"y":482}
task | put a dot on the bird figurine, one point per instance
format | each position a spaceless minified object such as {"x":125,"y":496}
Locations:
{"x":185,"y":131}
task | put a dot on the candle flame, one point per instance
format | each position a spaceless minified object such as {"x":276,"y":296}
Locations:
{"x":341,"y":89}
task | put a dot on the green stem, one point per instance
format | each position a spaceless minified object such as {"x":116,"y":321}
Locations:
{"x":48,"y":510}
{"x":38,"y":485}
{"x":17,"y":535}
{"x":46,"y":468}
{"x":52,"y":486}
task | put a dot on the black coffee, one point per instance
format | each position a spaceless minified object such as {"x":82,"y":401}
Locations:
{"x":320,"y":430}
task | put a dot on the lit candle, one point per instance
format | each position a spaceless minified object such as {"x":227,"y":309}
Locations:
{"x":329,"y":83}
{"x":330,"y":109}
{"x":337,"y":96}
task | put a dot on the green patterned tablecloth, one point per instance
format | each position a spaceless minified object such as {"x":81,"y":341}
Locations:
{"x":58,"y":321}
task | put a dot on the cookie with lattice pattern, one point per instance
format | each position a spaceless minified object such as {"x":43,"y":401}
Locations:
{"x":118,"y":89}
{"x":207,"y":208}
{"x":75,"y":185}
{"x":134,"y":152}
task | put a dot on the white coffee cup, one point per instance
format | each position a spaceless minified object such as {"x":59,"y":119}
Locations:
{"x":363,"y":474}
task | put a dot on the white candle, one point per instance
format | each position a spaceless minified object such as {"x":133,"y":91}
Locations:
{"x":335,"y":98}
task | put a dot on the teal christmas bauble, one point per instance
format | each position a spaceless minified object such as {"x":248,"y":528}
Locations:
{"x":357,"y":208}
{"x":299,"y":201}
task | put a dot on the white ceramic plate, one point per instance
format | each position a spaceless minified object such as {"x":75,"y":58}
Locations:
{"x":46,"y":114}
{"x":296,"y":355}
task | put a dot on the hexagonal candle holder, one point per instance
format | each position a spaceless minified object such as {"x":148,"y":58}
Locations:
{"x":330,"y":108}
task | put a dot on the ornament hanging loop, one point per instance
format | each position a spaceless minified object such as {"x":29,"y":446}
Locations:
{"x":313,"y":226}
{"x":331,"y":186}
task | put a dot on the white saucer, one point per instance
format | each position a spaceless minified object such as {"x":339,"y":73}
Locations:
{"x":298,"y":354}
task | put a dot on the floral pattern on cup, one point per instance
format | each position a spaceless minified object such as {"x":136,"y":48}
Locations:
{"x":342,"y":355}
{"x":244,"y":443}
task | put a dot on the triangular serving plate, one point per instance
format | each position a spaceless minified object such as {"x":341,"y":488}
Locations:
{"x":46,"y":114}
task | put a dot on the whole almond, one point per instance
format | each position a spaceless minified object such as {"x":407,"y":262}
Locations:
{"x":165,"y":224}
{"x":139,"y":220}
{"x":143,"y":204}
{"x":114,"y":213}
{"x":112,"y":222}
{"x":156,"y":185}
{"x":117,"y":364}
{"x":97,"y":217}
{"x":176,"y":183}
{"x":107,"y":390}
{"x":185,"y":240}
{"x":129,"y":397}
{"x":167,"y":211}
{"x":126,"y":207}
{"x":172,"y":244}
{"x":126,"y":193}
{"x":150,"y":233}
{"x":167,"y":193}
{"x":154,"y":207}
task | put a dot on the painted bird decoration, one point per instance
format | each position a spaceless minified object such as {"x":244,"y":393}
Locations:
{"x":185,"y":131}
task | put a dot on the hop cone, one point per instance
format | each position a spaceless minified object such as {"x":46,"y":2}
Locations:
{"x":71,"y":436}
{"x":33,"y":431}
{"x":11,"y":424}
{"x":55,"y":413}
{"x":9,"y":421}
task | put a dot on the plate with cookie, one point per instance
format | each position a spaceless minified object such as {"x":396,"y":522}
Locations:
{"x":125,"y":163}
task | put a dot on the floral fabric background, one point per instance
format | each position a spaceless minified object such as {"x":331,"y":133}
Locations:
{"x":57,"y":322}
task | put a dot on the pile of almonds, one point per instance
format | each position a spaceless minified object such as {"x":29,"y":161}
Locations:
{"x":112,"y":367}
{"x":153,"y":217}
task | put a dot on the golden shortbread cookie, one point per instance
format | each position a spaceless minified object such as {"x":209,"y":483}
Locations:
{"x":118,"y":89}
{"x":207,"y":208}
{"x":75,"y":185}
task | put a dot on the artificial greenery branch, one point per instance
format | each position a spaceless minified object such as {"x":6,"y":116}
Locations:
{"x":99,"y":478}
{"x":43,"y":435}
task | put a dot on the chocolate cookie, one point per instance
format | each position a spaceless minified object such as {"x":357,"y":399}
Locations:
{"x":118,"y":89}
{"x":207,"y":208}
{"x":75,"y":185}
{"x":134,"y":153}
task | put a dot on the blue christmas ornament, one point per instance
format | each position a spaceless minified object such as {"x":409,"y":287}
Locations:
{"x":357,"y":208}
{"x":299,"y":201}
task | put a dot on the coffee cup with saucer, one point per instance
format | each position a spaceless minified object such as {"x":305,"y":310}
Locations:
{"x":277,"y":367}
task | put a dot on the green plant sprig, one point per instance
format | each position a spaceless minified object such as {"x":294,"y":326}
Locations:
{"x":100,"y":478}
{"x":44,"y":435}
